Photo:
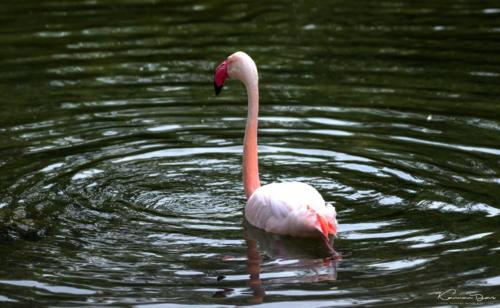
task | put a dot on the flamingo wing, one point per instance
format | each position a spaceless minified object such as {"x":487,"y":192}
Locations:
{"x":295,"y":209}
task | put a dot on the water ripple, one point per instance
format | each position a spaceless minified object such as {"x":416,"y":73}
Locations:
{"x":120,"y":170}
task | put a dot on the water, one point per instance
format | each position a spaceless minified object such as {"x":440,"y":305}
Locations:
{"x":120,"y":170}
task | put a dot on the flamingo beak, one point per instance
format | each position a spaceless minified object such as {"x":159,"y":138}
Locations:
{"x":220,"y":76}
{"x":217,"y":88}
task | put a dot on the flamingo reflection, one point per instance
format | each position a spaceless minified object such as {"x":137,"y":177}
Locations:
{"x":310,"y":260}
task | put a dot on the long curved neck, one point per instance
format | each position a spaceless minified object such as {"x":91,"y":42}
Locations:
{"x":251,"y":179}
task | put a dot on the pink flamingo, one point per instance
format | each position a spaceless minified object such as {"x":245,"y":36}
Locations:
{"x":291,"y":208}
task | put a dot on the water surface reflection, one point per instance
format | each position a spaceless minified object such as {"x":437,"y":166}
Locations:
{"x":120,"y":179}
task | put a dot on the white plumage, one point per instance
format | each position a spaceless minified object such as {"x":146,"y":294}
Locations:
{"x":293,"y":208}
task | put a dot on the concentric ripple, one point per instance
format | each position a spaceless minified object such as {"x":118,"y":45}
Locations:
{"x":120,"y":177}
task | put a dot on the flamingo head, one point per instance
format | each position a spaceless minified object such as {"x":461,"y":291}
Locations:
{"x":239,"y":66}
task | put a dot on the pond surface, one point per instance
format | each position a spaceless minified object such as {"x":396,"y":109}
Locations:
{"x":120,"y":178}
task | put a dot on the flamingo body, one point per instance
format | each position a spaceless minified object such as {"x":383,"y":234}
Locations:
{"x":293,"y":208}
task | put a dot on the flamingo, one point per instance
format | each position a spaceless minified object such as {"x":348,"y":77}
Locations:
{"x":289,"y":208}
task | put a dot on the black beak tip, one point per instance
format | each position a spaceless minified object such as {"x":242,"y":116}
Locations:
{"x":217,"y":88}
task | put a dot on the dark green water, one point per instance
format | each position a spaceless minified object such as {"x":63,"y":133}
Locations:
{"x":120,"y":170}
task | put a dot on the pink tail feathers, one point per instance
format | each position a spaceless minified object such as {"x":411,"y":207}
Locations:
{"x":327,"y":227}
